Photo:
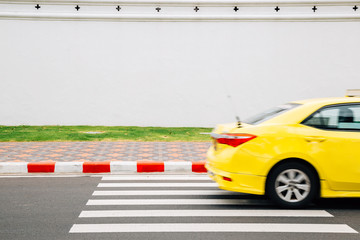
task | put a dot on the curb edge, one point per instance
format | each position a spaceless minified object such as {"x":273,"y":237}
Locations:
{"x":101,"y":167}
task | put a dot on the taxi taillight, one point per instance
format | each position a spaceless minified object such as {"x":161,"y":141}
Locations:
{"x":234,"y":139}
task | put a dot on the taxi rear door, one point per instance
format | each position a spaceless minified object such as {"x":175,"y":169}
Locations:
{"x":332,"y":138}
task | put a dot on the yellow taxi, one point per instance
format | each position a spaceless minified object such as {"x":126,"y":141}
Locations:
{"x":292,"y":153}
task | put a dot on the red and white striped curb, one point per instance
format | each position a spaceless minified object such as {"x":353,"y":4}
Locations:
{"x":100,"y":167}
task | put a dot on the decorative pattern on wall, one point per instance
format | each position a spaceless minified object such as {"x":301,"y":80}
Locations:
{"x":185,"y":10}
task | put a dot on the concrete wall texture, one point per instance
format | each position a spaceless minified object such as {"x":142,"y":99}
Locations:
{"x":168,"y":73}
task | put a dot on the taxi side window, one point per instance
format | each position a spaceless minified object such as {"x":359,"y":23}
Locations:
{"x":340,"y":117}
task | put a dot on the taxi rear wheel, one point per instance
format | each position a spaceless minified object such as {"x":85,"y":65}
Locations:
{"x":292,"y":185}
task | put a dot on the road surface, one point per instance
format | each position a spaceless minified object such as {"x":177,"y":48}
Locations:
{"x":158,"y":207}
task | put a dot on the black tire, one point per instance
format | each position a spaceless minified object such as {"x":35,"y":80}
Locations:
{"x":301,"y":189}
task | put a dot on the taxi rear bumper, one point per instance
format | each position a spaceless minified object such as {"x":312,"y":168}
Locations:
{"x":237,"y":182}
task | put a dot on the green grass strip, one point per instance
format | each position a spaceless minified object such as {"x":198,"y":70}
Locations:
{"x":101,"y":133}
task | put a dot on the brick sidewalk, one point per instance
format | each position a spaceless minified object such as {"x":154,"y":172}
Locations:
{"x":102,"y":151}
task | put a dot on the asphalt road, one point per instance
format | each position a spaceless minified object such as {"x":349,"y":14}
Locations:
{"x":179,"y":207}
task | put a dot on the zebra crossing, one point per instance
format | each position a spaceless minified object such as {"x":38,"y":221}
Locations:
{"x":190,"y":204}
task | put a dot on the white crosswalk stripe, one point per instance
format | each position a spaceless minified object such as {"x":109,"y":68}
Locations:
{"x":218,"y":227}
{"x":206,"y":213}
{"x":179,"y":201}
{"x":157,"y":177}
{"x":157,"y":185}
{"x":164,"y":202}
{"x":162,"y":193}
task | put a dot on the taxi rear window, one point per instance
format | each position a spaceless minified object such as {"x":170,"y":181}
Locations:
{"x":271,"y":113}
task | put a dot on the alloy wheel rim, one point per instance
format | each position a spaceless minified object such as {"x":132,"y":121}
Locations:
{"x":292,"y":185}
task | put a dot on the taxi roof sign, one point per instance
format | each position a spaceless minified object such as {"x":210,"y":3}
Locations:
{"x":353,"y":93}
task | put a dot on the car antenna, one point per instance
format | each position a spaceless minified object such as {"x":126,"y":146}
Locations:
{"x":238,"y":122}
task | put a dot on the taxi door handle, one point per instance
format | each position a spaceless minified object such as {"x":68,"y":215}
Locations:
{"x":315,"y":139}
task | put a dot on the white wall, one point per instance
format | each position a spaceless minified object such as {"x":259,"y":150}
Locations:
{"x":166,"y":73}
